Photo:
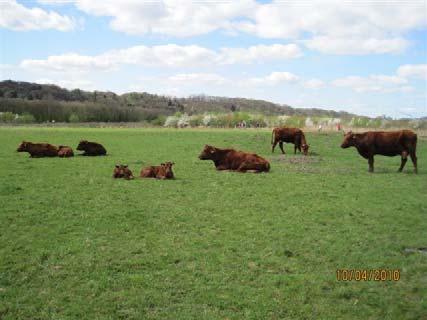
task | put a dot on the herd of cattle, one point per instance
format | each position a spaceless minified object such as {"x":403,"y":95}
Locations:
{"x":368,"y":144}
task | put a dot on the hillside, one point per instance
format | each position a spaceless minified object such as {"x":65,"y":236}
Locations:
{"x":50,"y":102}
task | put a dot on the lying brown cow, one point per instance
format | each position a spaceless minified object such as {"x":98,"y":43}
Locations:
{"x":390,"y":144}
{"x":91,"y":148}
{"x":65,"y":152}
{"x":38,"y":150}
{"x":164,"y":171}
{"x":289,"y":135}
{"x":230,"y":159}
{"x":122,"y":171}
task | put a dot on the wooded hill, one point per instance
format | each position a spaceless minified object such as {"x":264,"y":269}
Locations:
{"x":49,"y":102}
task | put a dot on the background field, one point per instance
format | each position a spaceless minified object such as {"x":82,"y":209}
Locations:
{"x":76,"y":244}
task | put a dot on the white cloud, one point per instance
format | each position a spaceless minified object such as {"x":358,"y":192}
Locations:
{"x":413,"y":71}
{"x":340,"y":27}
{"x":170,"y":55}
{"x":259,"y":53}
{"x":55,"y":2}
{"x":17,"y":17}
{"x":68,"y":62}
{"x":329,"y":26}
{"x":272,"y":79}
{"x":356,"y":45}
{"x":198,"y":78}
{"x":374,"y":83}
{"x":313,"y":84}
{"x":169,"y":17}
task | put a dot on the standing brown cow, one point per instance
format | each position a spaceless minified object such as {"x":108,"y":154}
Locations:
{"x":393,"y":143}
{"x":290,"y":135}
{"x":164,"y":171}
{"x":230,"y":159}
{"x":38,"y":150}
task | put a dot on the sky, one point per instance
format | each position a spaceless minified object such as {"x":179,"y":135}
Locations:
{"x":368,"y":57}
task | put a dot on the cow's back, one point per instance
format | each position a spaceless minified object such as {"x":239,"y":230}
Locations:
{"x":391,"y":143}
{"x":287,"y":134}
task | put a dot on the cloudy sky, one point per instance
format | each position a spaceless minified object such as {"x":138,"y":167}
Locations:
{"x":367,"y":57}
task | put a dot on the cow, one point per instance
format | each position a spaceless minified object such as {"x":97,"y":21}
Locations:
{"x":290,"y":135}
{"x":230,"y":159}
{"x":393,"y":143}
{"x":91,"y":148}
{"x":164,"y":171}
{"x":38,"y":150}
{"x":122,"y":171}
{"x":65,"y":152}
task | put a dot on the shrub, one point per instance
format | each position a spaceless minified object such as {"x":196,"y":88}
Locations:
{"x":73,"y":118}
{"x":7,"y":116}
{"x":25,"y":118}
{"x":158,"y":121}
{"x":208,"y":120}
{"x":196,"y":120}
{"x":183,"y":121}
{"x":171,"y":121}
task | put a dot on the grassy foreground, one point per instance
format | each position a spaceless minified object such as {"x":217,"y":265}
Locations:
{"x":76,"y":244}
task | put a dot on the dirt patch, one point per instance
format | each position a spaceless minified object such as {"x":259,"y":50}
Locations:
{"x":415,"y":250}
{"x":297,"y":159}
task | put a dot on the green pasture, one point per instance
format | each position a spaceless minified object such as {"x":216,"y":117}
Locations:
{"x":77,"y":244}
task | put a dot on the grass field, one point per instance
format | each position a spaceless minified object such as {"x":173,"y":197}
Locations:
{"x":76,"y":244}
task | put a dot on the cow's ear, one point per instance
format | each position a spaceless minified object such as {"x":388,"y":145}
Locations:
{"x":125,"y":166}
{"x":162,"y":164}
{"x":117,"y":166}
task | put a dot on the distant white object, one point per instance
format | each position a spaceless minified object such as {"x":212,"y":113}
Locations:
{"x":319,"y":128}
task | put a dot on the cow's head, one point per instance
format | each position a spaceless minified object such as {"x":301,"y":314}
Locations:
{"x":349,"y":140}
{"x":82,"y":145}
{"x":23,"y":147}
{"x":167,"y":166}
{"x":208,"y":153}
{"x":127,"y":173}
{"x":304,"y":148}
{"x":118,"y":171}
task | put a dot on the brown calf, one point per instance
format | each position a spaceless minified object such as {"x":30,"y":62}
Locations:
{"x":393,"y":143}
{"x":122,"y":171}
{"x":164,"y":171}
{"x":65,"y":152}
{"x":289,"y":135}
{"x":38,"y":150}
{"x":230,"y":159}
{"x":91,"y":148}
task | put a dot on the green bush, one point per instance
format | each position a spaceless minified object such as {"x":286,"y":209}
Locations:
{"x":7,"y":116}
{"x":158,"y":121}
{"x":74,"y":118}
{"x":26,"y":118}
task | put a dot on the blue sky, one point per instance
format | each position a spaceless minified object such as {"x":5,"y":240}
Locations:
{"x":366,"y":57}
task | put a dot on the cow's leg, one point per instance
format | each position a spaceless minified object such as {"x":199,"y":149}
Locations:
{"x":248,"y":166}
{"x":242,"y":168}
{"x":281,"y":147}
{"x":371,"y":163}
{"x":414,"y":160}
{"x":295,"y":149}
{"x":403,"y":160}
{"x":221,"y":167}
{"x":274,"y":145}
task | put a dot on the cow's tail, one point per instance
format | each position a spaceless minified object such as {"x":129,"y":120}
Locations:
{"x":272,"y":137}
{"x":415,"y":143}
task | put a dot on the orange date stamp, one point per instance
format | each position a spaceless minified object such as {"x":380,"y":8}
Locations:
{"x":368,"y":274}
